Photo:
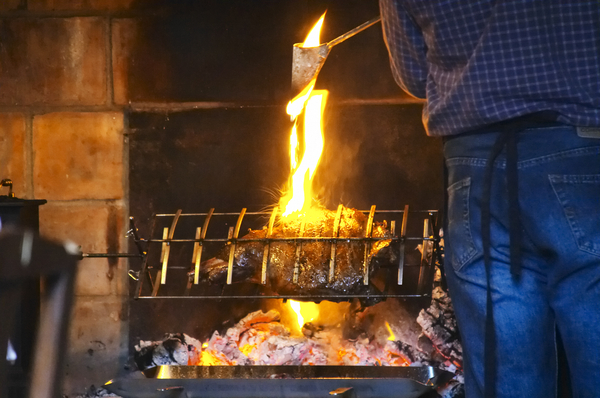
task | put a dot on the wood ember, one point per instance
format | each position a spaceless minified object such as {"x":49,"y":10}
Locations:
{"x":260,"y":339}
{"x":174,"y":349}
{"x":440,"y":332}
{"x":439,"y":325}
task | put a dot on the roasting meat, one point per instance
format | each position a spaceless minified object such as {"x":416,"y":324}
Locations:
{"x":313,"y":258}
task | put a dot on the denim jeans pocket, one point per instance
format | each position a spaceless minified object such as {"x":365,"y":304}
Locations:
{"x":461,"y":247}
{"x":579,"y":196}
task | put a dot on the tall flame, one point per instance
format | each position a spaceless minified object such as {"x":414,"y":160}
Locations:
{"x":312,"y":40}
{"x":303,"y":168}
{"x":303,"y":165}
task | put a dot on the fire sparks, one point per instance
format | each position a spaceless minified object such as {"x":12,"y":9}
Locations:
{"x":306,"y":146}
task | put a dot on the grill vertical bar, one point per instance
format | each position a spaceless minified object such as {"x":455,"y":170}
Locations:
{"x":233,"y":244}
{"x":265,"y":262}
{"x":144,"y":270}
{"x":425,"y":254}
{"x":402,"y":246}
{"x":201,"y":246}
{"x":167,"y":250}
{"x":336,"y":232}
{"x":298,"y":252}
{"x":158,"y":279}
{"x":368,"y":234}
{"x":197,"y":255}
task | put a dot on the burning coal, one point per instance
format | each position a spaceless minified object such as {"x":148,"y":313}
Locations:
{"x":362,"y":336}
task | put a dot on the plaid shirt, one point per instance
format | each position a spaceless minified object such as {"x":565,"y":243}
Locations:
{"x":479,"y":62}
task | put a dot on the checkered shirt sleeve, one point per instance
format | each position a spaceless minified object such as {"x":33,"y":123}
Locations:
{"x":486,"y":61}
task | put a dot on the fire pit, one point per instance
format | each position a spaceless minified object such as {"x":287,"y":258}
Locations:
{"x":360,"y":257}
{"x":260,"y":356}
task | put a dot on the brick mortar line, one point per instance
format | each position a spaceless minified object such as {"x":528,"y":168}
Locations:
{"x":36,"y":110}
{"x":110,"y":89}
{"x":29,"y":157}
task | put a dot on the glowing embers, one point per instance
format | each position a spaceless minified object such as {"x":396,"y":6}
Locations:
{"x":261,"y":339}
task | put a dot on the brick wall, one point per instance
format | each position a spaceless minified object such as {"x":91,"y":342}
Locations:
{"x":62,"y":139}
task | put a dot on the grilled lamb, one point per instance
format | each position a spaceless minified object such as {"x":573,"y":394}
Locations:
{"x":313,"y":258}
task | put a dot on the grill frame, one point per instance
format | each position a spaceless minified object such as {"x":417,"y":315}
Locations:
{"x":429,"y":240}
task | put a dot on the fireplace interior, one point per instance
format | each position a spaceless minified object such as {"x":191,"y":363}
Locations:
{"x":181,"y":105}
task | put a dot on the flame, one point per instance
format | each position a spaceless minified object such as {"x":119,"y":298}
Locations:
{"x":303,"y":165}
{"x":312,"y":39}
{"x":209,"y":359}
{"x":299,"y":196}
{"x":392,"y":336}
{"x":304,"y":311}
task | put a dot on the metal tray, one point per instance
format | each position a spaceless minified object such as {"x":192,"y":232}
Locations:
{"x":279,"y":382}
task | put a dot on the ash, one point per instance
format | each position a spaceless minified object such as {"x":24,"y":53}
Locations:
{"x":429,"y":338}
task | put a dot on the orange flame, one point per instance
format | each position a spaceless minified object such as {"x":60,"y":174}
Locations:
{"x":305,"y":311}
{"x":312,"y":40}
{"x":392,"y":337}
{"x":305,"y":155}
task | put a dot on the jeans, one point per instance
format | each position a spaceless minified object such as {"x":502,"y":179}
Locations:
{"x":559,"y":285}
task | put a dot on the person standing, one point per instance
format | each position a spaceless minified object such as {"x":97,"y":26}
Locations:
{"x":513,"y":87}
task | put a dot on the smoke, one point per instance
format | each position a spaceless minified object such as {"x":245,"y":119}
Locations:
{"x":340,"y":164}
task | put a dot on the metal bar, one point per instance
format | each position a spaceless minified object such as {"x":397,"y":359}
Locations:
{"x":110,"y":255}
{"x":232,"y":239}
{"x":287,"y":297}
{"x":197,"y":255}
{"x":144,"y":270}
{"x":206,"y":221}
{"x":336,"y":233}
{"x":231,"y":255}
{"x":298,"y":252}
{"x":265,"y":262}
{"x":136,"y":237}
{"x":165,"y":260}
{"x":354,"y":31}
{"x":434,"y":247}
{"x":368,"y":234}
{"x":200,"y":244}
{"x":402,"y":250}
{"x":158,"y":280}
{"x":424,"y":254}
{"x":258,"y":213}
{"x":304,"y":239}
{"x":390,"y":273}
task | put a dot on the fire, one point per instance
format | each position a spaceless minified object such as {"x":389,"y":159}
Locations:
{"x":305,"y":311}
{"x":306,"y":148}
{"x":313,"y":38}
{"x":392,"y":336}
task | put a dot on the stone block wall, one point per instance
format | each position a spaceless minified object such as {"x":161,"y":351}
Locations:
{"x":62,"y":138}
